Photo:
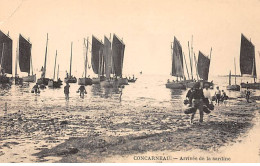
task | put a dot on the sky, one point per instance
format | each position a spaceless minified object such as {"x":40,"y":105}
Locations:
{"x":147,"y":28}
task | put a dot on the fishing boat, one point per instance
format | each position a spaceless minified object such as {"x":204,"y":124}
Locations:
{"x":177,"y":67}
{"x":52,"y":83}
{"x":6,"y":45}
{"x":132,"y":80}
{"x":107,"y":54}
{"x":202,"y":66}
{"x":85,"y":80}
{"x":247,"y":63}
{"x":43,"y":80}
{"x":233,"y":87}
{"x":97,"y":60}
{"x":118,"y":49}
{"x":25,"y":60}
{"x":70,"y":78}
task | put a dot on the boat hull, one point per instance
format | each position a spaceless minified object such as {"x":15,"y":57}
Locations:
{"x":84,"y":81}
{"x":18,"y":81}
{"x":190,"y":84}
{"x":31,"y":78}
{"x":176,"y":85}
{"x":132,"y":80}
{"x":70,"y":80}
{"x":54,"y":84}
{"x":233,"y":87}
{"x":43,"y":81}
{"x":250,"y":85}
{"x":98,"y":80}
{"x":122,"y":81}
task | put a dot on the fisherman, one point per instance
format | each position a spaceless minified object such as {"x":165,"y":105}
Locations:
{"x":218,"y":95}
{"x":188,"y":96}
{"x":247,"y":94}
{"x":168,"y":81}
{"x":36,"y":88}
{"x":67,"y":90}
{"x":197,"y":97}
{"x":207,"y":95}
{"x":121,"y":92}
{"x":82,"y":91}
{"x":224,"y":95}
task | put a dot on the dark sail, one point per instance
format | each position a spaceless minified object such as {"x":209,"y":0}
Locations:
{"x":7,"y":52}
{"x":203,"y":66}
{"x":177,"y":59}
{"x":118,"y":48}
{"x":24,"y":54}
{"x":107,"y":57}
{"x":247,"y":57}
{"x":96,"y":54}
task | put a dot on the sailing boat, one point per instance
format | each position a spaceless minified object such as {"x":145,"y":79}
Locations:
{"x":25,"y":59}
{"x":69,"y":78}
{"x":203,"y":65}
{"x":97,"y":60}
{"x":51,"y":82}
{"x":118,"y":49}
{"x":44,"y":81}
{"x":177,"y":66}
{"x":85,"y":80}
{"x":233,"y":87}
{"x":247,"y":62}
{"x":107,"y":54}
{"x":6,"y":45}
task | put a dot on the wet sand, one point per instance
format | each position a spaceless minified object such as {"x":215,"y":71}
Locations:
{"x":116,"y":132}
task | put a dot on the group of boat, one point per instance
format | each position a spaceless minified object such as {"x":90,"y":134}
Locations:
{"x":202,"y":64}
{"x":106,"y":62}
{"x":201,"y":68}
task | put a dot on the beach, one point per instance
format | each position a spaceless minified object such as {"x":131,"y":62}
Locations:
{"x":100,"y":128}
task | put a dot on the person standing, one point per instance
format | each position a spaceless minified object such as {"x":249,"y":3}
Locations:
{"x":218,"y":95}
{"x":67,"y":90}
{"x":197,"y":98}
{"x":82,"y":91}
{"x":247,"y":94}
{"x":188,"y":96}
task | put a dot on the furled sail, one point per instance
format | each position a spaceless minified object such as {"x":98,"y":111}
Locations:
{"x":203,"y":66}
{"x":118,"y":49}
{"x":96,"y":54}
{"x":107,"y":57}
{"x":247,"y":57}
{"x":177,"y":59}
{"x":6,"y":45}
{"x":24,"y":54}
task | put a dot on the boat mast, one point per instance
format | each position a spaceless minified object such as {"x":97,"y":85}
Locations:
{"x":186,"y":65}
{"x":229,"y":78}
{"x":55,"y":66}
{"x":192,"y":50}
{"x":44,"y":69}
{"x":235,"y":71}
{"x":58,"y":72}
{"x":196,"y":66}
{"x":86,"y":60}
{"x":190,"y":61}
{"x":16,"y":61}
{"x":71,"y":58}
{"x":99,"y":65}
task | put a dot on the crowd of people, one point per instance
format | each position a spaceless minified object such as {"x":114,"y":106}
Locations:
{"x":199,"y":98}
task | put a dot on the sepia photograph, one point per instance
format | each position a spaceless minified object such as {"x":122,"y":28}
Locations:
{"x":129,"y":81}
